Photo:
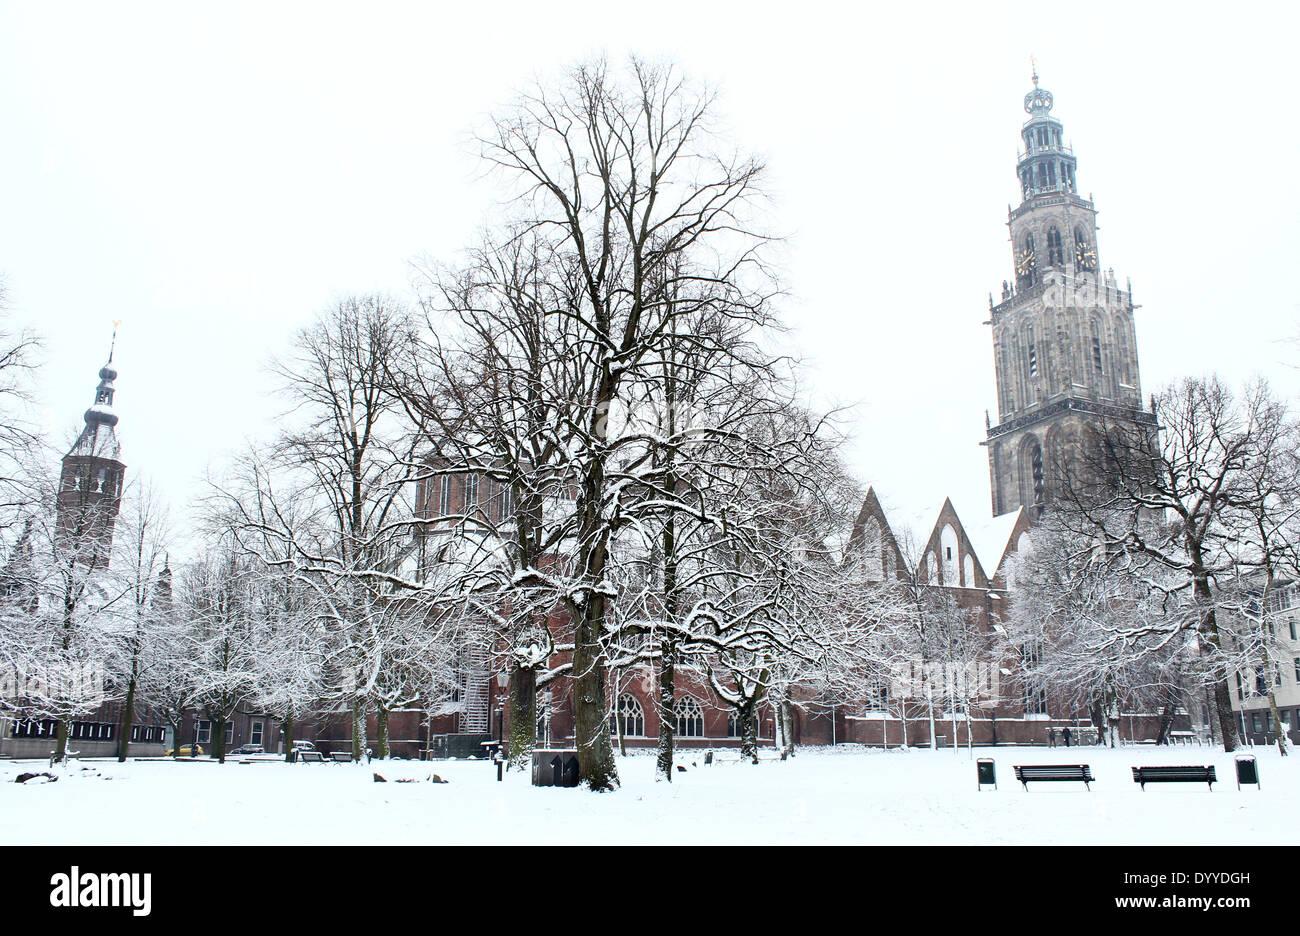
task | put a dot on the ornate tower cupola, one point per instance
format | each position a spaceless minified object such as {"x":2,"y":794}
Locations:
{"x":90,"y":484}
{"x":1046,"y":164}
{"x":1064,"y":344}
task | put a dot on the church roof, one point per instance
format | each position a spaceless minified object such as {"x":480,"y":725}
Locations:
{"x":991,"y":537}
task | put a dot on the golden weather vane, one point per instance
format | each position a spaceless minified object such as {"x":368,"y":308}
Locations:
{"x":1033,"y":63}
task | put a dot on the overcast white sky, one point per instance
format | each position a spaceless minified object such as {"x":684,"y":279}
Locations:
{"x":214,"y":175}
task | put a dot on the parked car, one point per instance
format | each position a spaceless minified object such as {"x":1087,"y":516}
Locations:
{"x":185,"y":751}
{"x":249,"y":749}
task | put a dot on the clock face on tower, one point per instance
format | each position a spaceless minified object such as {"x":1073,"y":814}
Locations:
{"x":1026,"y":265}
{"x":1085,"y":255}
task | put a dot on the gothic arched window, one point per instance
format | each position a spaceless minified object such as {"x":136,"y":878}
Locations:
{"x":950,"y":558}
{"x":629,"y":716}
{"x":1055,"y":255}
{"x":1031,"y":472}
{"x":690,"y":718}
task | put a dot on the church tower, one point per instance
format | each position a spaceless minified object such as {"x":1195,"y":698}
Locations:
{"x":1064,"y":347}
{"x":90,"y":484}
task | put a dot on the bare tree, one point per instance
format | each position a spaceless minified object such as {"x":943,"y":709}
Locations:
{"x":1091,"y":625}
{"x":20,"y":443}
{"x":619,"y":177}
{"x":141,"y":572}
{"x":1171,"y":507}
{"x":332,"y":502}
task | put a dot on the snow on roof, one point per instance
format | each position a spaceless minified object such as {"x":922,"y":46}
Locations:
{"x":905,"y":519}
{"x":989,"y":536}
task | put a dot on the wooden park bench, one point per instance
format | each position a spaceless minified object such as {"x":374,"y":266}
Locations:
{"x":1054,"y":773}
{"x":1145,"y":775}
{"x":341,"y":757}
{"x":314,"y":757}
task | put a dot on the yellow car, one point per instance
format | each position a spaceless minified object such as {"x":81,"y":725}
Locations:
{"x":185,"y":751}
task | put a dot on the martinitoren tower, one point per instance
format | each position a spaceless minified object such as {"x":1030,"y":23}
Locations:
{"x":90,"y":485}
{"x":1063,"y":339}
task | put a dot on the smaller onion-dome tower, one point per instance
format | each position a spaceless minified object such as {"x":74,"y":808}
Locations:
{"x":90,"y":484}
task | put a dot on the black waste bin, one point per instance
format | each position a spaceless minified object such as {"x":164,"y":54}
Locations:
{"x":1247,"y":770}
{"x":555,"y":768}
{"x":986,"y":773}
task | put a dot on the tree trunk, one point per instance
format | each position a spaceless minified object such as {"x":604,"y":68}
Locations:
{"x":667,"y":701}
{"x":1282,"y":744}
{"x":1227,"y":721}
{"x":358,"y":728}
{"x":929,"y":708}
{"x":1166,"y":723}
{"x":591,"y":726}
{"x":786,"y":714}
{"x":1210,"y":634}
{"x":523,"y":717}
{"x":287,"y":727}
{"x":590,"y":692}
{"x":618,"y":722}
{"x":381,"y":731}
{"x":1097,"y":715}
{"x":749,"y":730}
{"x":61,"y":742}
{"x":219,"y":736}
{"x":128,"y":716}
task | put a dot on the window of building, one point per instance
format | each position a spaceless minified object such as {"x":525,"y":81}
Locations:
{"x":256,"y":731}
{"x":1035,"y":696}
{"x":1096,"y":348}
{"x":503,"y":501}
{"x":471,"y":492}
{"x":44,"y":728}
{"x":203,"y":732}
{"x":1255,"y":723}
{"x":1038,"y":474}
{"x":877,"y":697}
{"x":630,"y":717}
{"x":444,"y":495}
{"x":690,"y":718}
{"x":1055,"y":255}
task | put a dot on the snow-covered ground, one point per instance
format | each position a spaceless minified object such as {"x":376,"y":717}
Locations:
{"x":844,"y":796}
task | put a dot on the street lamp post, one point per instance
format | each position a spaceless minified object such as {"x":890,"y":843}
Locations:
{"x":503,"y":680}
